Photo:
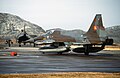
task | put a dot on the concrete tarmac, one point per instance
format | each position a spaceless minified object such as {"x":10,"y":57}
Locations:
{"x":32,"y":61}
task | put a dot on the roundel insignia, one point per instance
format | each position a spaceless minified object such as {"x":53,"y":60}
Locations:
{"x":95,"y":28}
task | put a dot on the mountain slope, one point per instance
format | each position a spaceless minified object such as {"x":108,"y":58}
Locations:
{"x":12,"y":25}
{"x":114,"y":33}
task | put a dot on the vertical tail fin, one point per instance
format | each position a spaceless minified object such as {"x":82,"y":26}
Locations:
{"x":96,"y":32}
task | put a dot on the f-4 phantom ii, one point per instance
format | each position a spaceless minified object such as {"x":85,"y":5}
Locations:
{"x":93,"y":41}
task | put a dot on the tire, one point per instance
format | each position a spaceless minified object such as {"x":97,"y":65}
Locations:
{"x":60,"y":53}
{"x":43,"y":52}
{"x":86,"y":53}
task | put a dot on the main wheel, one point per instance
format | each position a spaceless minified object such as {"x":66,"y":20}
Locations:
{"x":19,"y":44}
{"x":86,"y":53}
{"x":24,"y":43}
{"x":43,"y":52}
{"x":60,"y":53}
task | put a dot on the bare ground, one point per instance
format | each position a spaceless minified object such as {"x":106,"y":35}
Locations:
{"x":64,"y":75}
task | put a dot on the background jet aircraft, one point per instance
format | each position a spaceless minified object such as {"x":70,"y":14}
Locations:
{"x":6,"y":40}
{"x":23,"y":36}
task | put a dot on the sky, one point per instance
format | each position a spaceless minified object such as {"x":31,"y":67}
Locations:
{"x":65,"y":14}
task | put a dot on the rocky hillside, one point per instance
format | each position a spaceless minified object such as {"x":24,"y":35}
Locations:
{"x":114,"y":32}
{"x":75,"y":34}
{"x":12,"y":25}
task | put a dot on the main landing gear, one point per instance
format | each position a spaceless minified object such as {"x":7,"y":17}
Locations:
{"x":86,"y":49}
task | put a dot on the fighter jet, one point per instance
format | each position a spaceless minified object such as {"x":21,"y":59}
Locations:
{"x":54,"y":42}
{"x":95,"y":39}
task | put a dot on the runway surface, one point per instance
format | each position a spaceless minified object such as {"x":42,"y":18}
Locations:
{"x":30,"y":60}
